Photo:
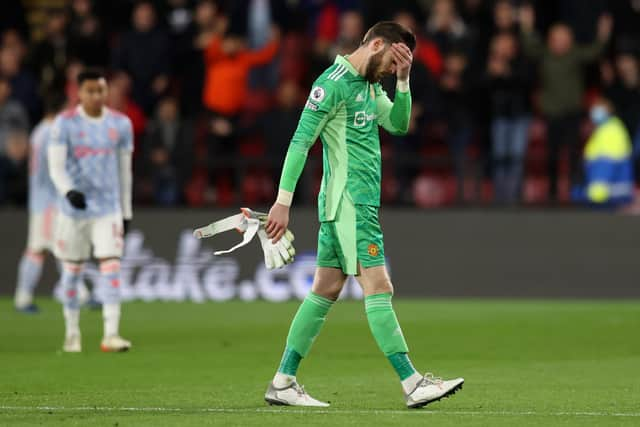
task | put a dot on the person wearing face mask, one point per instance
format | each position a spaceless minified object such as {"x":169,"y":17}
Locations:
{"x":608,"y":163}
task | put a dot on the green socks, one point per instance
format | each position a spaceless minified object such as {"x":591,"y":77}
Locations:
{"x":311,"y":315}
{"x":402,"y":365}
{"x":387,"y":333}
{"x":304,"y":329}
{"x":290,"y":362}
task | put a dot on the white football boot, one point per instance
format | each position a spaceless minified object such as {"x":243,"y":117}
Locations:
{"x":431,"y":389}
{"x":291,"y":395}
{"x":72,"y":344}
{"x":114,"y":344}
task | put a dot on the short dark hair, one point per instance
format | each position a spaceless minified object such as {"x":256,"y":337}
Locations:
{"x":391,"y":32}
{"x":90,"y":74}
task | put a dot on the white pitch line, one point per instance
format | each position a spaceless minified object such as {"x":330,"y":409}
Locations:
{"x":315,"y":411}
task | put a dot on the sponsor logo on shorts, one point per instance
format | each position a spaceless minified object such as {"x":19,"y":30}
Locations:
{"x":373,"y":250}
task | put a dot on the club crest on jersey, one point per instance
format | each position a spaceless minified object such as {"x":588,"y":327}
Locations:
{"x":113,"y":135}
{"x":373,"y":250}
{"x":317,"y":94}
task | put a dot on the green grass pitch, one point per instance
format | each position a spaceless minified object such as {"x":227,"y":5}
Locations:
{"x":526,"y":363}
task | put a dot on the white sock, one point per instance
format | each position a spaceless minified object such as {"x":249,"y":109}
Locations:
{"x":409,"y":384}
{"x":71,"y":321}
{"x":282,"y":380}
{"x":29,"y":272}
{"x":23,"y":298}
{"x":111,"y":316}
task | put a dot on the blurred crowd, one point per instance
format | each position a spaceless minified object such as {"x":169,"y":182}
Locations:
{"x":503,"y":91}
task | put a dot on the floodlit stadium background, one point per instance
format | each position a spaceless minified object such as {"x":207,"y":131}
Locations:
{"x":528,"y":292}
{"x":208,"y":141}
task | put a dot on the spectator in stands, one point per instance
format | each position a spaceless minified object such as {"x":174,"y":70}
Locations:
{"x":168,"y":153}
{"x":423,"y":94}
{"x":343,"y":39}
{"x":509,"y":82}
{"x":503,"y":20}
{"x":14,"y":172}
{"x":87,"y":42}
{"x":145,"y":54}
{"x":49,"y":56}
{"x":254,"y":19}
{"x":350,"y":34}
{"x":119,"y":98}
{"x":189,"y":63}
{"x":561,"y":64}
{"x":607,"y":160}
{"x":446,"y":28}
{"x":279,"y":123}
{"x":13,"y":40}
{"x":24,"y":88}
{"x":13,"y":17}
{"x":228,"y":62}
{"x":504,"y":17}
{"x":625,"y":91}
{"x":426,"y":53}
{"x":455,"y":111}
{"x":179,"y":17}
{"x":13,"y":117}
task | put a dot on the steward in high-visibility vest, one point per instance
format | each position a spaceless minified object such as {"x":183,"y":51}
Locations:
{"x":608,"y":159}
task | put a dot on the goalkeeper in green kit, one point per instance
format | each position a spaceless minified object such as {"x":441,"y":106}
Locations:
{"x":345,"y":107}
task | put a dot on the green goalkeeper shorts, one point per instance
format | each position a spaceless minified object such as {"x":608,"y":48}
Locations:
{"x":354,"y":237}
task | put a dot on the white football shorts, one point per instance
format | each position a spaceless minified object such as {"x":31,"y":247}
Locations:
{"x":74,"y":238}
{"x":41,"y":230}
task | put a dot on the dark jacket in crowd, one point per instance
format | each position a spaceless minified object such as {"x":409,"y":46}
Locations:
{"x":562,"y":77}
{"x":144,"y":56}
{"x":510,"y":95}
{"x":627,"y":103}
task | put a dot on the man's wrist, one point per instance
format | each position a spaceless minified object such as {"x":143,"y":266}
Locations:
{"x":284,"y":197}
{"x":403,"y":85}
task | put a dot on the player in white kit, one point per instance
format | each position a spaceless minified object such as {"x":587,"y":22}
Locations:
{"x":42,"y":210}
{"x":90,"y":151}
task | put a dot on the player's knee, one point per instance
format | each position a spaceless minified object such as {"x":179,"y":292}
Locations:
{"x":71,"y":267}
{"x":35,"y":256}
{"x":386,"y":287}
{"x":110,"y":265}
{"x":330,"y":290}
{"x":381,"y":286}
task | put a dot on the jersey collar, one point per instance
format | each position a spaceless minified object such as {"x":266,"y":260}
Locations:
{"x":84,"y":114}
{"x":342,"y":60}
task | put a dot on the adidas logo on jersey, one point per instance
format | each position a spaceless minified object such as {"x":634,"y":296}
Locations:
{"x":359,"y":98}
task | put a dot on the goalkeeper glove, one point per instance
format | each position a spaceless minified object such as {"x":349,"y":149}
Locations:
{"x":250,"y":223}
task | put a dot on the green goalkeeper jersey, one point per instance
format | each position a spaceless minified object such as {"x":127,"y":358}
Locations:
{"x":345,"y":110}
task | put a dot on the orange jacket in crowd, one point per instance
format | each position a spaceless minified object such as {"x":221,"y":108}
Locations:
{"x":226,"y":85}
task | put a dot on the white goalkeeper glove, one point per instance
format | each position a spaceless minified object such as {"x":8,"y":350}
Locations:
{"x":250,"y":223}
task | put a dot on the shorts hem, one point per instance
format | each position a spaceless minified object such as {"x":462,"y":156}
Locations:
{"x":370,"y":264}
{"x":328,"y":264}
